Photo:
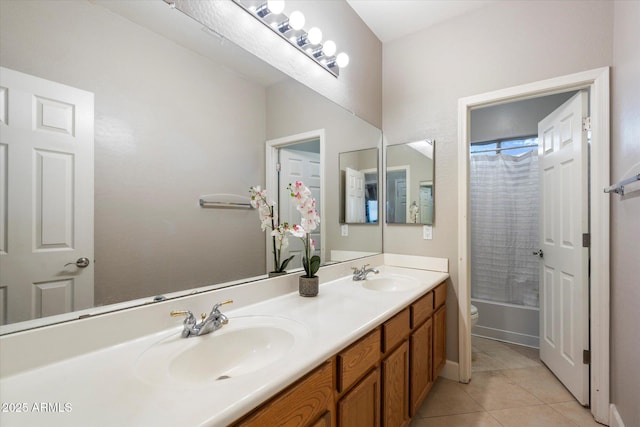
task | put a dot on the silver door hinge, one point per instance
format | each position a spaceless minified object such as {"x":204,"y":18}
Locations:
{"x":586,"y":240}
{"x":586,"y":357}
{"x":278,"y":167}
{"x":586,"y":124}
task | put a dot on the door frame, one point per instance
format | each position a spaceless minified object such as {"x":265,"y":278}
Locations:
{"x":597,"y":80}
{"x":271,"y":179}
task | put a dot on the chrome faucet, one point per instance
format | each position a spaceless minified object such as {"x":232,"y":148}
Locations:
{"x":214,"y":321}
{"x":361,"y":273}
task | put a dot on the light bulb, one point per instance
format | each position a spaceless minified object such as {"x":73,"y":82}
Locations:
{"x":329,"y":48}
{"x":296,"y":20}
{"x":342,"y":60}
{"x":314,"y":35}
{"x":275,"y":6}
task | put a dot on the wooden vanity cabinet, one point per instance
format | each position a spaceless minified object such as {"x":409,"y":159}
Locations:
{"x":395,"y":370}
{"x":309,"y":402}
{"x":421,"y":356}
{"x":380,"y":380}
{"x":439,"y":330}
{"x":360,"y":406}
{"x":395,"y":387}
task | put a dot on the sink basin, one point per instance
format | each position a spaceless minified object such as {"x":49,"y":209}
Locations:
{"x":390,"y":283}
{"x":246,"y":345}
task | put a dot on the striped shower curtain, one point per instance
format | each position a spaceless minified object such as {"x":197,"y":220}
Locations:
{"x":504,"y":228}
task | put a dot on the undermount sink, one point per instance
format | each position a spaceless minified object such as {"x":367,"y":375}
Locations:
{"x":390,"y":283}
{"x":246,"y":345}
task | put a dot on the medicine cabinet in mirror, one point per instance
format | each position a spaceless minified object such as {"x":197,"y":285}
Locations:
{"x":410,"y":182}
{"x":359,"y":187}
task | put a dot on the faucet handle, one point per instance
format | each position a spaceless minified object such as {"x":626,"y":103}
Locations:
{"x":189,"y":319}
{"x":220,"y":304}
{"x":176,"y":313}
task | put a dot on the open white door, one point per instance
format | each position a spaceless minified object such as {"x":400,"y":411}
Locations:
{"x":46,"y":160}
{"x":564,"y":279}
{"x":355,"y":211}
{"x":298,"y":166}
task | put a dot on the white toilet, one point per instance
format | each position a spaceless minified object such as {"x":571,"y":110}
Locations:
{"x":474,"y":315}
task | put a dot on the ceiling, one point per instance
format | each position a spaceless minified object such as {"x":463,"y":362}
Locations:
{"x":392,"y":19}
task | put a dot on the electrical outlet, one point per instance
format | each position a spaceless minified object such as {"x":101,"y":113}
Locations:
{"x":427,"y":232}
{"x":344,"y":229}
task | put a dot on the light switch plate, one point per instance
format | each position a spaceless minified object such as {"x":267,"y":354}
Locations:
{"x":427,"y":232}
{"x":344,"y":230}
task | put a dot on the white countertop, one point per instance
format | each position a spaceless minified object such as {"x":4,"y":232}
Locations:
{"x":102,"y":388}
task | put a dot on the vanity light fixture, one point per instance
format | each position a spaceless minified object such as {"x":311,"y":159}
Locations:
{"x":270,"y":7}
{"x":291,"y":28}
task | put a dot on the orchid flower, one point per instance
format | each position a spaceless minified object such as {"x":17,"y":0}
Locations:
{"x":310,"y":219}
{"x":269,"y":220}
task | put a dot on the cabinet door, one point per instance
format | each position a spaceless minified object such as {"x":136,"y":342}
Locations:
{"x":395,"y":387}
{"x":361,"y":406}
{"x":439,"y":340}
{"x":421,"y":358}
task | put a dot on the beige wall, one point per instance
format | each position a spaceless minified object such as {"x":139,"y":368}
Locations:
{"x":501,"y":45}
{"x":358,"y":88}
{"x":514,"y":119}
{"x":293,"y":109}
{"x":625,"y":213}
{"x":163,"y":138}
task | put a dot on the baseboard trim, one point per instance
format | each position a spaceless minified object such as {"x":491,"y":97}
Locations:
{"x":614,"y":417}
{"x":450,"y":371}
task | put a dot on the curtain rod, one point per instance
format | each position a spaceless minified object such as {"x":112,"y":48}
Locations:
{"x":505,"y":148}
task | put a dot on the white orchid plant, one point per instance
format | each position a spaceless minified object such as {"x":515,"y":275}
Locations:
{"x":306,"y":205}
{"x":269,"y":220}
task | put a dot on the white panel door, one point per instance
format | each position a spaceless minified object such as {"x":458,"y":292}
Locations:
{"x":46,"y":196}
{"x":564,"y":280}
{"x":355,"y":210}
{"x":298,"y":166}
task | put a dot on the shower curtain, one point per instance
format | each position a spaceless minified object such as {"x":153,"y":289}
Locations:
{"x":504,"y":228}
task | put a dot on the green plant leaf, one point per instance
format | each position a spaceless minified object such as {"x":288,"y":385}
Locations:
{"x":286,"y":262}
{"x":314,"y":265}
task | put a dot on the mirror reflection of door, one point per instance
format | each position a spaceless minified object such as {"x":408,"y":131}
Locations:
{"x":46,"y":164}
{"x":299,"y":162}
{"x":398,"y":194}
{"x":355,"y":208}
{"x":371,"y":195}
{"x":426,"y":202}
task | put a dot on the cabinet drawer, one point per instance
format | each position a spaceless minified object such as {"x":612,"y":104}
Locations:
{"x":356,"y":360}
{"x":395,"y":330}
{"x":300,"y":404}
{"x":440,"y":294}
{"x":421,"y":310}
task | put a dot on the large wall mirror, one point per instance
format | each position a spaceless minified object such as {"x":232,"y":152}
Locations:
{"x":359,"y":187}
{"x":410,"y":182}
{"x":175,"y":112}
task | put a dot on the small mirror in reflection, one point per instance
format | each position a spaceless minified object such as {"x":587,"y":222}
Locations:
{"x":410,"y":183}
{"x":359,"y":187}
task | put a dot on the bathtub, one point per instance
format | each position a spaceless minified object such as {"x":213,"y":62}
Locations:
{"x":512,"y":323}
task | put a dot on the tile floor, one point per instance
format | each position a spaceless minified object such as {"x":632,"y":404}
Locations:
{"x":509,"y":387}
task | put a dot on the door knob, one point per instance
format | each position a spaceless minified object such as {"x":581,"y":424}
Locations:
{"x":80,"y":263}
{"x":539,"y":253}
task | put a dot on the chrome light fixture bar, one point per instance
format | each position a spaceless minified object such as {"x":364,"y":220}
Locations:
{"x":291,"y":29}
